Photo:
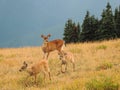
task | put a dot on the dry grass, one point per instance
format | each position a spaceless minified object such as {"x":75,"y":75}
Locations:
{"x":88,"y":57}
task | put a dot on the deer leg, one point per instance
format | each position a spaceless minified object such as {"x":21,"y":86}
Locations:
{"x":49,"y":75}
{"x":26,"y":80}
{"x":73,"y":66}
{"x":44,"y":75}
{"x":44,"y":55}
{"x":48,"y":55}
{"x":60,"y":51}
{"x":63,"y":63}
{"x":35,"y":79}
{"x":61,"y":68}
{"x":66,"y":67}
{"x":47,"y":72}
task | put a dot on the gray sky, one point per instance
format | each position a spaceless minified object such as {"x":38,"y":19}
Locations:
{"x":22,"y":21}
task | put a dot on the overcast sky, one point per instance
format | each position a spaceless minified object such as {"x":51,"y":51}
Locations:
{"x":22,"y":21}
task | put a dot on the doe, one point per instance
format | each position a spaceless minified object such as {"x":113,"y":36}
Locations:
{"x":49,"y":46}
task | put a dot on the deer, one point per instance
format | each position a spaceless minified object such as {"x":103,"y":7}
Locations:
{"x":49,"y":46}
{"x":35,"y":69}
{"x":66,"y":57}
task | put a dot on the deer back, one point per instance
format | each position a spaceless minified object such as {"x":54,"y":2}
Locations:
{"x":68,"y":56}
{"x":53,"y":45}
{"x":40,"y":66}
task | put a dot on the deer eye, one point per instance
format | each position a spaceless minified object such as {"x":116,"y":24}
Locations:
{"x":61,"y":57}
{"x":23,"y":67}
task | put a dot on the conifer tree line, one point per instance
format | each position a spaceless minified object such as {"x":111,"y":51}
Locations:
{"x":92,"y":28}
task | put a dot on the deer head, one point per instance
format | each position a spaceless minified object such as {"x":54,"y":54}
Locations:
{"x":45,"y":38}
{"x":23,"y":67}
{"x":62,"y":55}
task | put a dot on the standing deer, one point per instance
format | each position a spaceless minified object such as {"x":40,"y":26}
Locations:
{"x":49,"y":46}
{"x":66,"y":57}
{"x":35,"y":69}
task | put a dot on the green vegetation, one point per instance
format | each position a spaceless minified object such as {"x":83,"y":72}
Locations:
{"x":75,"y":85}
{"x":104,"y":66}
{"x":102,"y":83}
{"x":1,"y":57}
{"x":101,"y":47}
{"x":94,"y":69}
{"x":71,"y":32}
{"x":94,"y":29}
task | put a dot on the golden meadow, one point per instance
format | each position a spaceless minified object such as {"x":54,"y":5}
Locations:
{"x":97,"y":68}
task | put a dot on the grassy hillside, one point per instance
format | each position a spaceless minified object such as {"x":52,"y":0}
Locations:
{"x":97,"y":66}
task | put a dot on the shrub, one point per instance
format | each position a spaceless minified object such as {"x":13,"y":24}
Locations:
{"x":102,"y":83}
{"x":73,"y":86}
{"x":1,"y":57}
{"x":101,"y":47}
{"x":105,"y":66}
{"x":30,"y":81}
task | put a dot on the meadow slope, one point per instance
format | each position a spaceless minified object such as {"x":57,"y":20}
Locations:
{"x":93,"y":60}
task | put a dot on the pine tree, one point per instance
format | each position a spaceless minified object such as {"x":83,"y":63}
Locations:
{"x":107,"y":27}
{"x":94,"y":24}
{"x":79,"y":31}
{"x":89,"y":28}
{"x":71,"y":33}
{"x":117,"y":21}
{"x":85,"y":28}
{"x":67,"y":31}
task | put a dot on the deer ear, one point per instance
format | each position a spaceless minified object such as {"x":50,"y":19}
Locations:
{"x":65,"y":53}
{"x":62,"y":52}
{"x":48,"y":35}
{"x":59,"y":53}
{"x":25,"y":63}
{"x":42,"y":36}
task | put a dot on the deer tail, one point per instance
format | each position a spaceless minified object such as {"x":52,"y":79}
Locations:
{"x":64,"y":45}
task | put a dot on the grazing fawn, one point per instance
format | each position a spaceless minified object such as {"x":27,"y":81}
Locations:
{"x":49,"y":46}
{"x":65,"y":57}
{"x":41,"y":66}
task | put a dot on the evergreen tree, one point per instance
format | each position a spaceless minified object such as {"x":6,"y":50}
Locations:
{"x":71,"y":33}
{"x":79,"y":31}
{"x":117,"y":21}
{"x":107,"y":27}
{"x":89,"y":28}
{"x":94,"y":25}
{"x":85,"y":28}
{"x":67,"y":31}
{"x":74,"y":34}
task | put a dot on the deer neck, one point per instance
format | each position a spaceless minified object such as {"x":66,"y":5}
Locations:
{"x":45,"y":43}
{"x":30,"y":71}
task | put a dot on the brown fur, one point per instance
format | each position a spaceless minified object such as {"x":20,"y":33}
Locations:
{"x":41,"y":66}
{"x":66,"y":57}
{"x":49,"y":46}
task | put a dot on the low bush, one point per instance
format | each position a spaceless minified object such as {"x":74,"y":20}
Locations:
{"x":102,"y":83}
{"x":101,"y":47}
{"x":105,"y":66}
{"x":72,"y":86}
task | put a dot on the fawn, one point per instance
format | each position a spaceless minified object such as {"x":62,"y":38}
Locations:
{"x":35,"y":69}
{"x":66,"y":57}
{"x":49,"y":46}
